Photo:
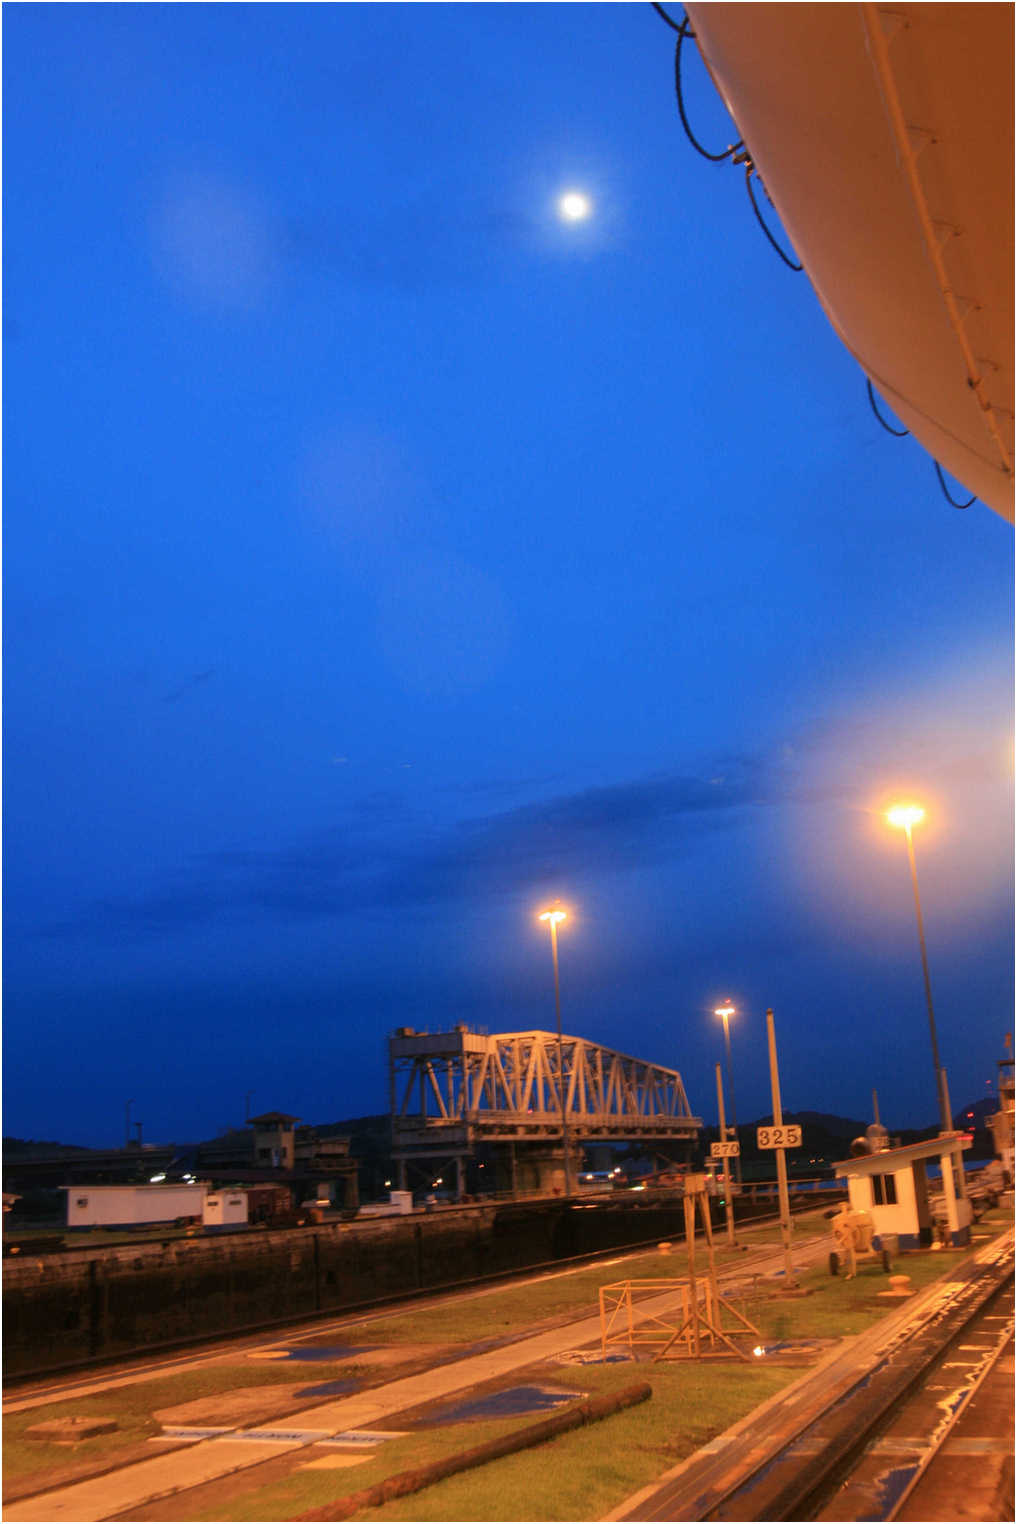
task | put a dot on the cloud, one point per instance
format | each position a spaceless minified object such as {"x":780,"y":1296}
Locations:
{"x":381,"y":859}
{"x":213,"y":241}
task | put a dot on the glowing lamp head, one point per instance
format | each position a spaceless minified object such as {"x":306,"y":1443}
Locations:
{"x":553,"y":916}
{"x":905,"y":815}
{"x":725,"y":1010}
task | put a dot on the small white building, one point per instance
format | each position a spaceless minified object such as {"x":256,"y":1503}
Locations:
{"x":222,"y":1208}
{"x":93,"y":1206}
{"x":399,"y":1204}
{"x":892,"y":1186}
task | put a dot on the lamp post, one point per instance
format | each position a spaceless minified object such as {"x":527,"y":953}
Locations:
{"x":907,"y":816}
{"x":552,"y":917}
{"x":726,"y":1011}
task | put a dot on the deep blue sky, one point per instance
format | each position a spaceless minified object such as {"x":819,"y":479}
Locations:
{"x":383,"y":556}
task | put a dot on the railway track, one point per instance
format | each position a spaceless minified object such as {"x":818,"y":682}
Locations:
{"x":916,"y":1442}
{"x":854,"y":1439}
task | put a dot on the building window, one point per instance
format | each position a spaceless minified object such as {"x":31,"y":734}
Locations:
{"x":884,"y":1190}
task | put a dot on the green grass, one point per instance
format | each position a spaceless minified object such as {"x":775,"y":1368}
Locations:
{"x":592,"y":1467}
{"x":496,"y":1314}
{"x":302,"y":1490}
{"x":839,"y":1307}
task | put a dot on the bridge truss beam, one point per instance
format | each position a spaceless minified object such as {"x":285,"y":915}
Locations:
{"x":453,"y":1090}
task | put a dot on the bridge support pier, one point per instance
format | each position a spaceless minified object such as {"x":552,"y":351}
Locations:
{"x":540,"y":1171}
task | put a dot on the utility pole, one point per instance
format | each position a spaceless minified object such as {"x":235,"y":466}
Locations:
{"x":561,"y":1062}
{"x":778,"y":1121}
{"x":728,"y":1203}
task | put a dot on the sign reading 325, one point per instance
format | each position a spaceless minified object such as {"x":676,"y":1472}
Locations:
{"x":788,"y":1136}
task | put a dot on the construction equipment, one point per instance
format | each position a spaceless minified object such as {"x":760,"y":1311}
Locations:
{"x":852,"y":1236}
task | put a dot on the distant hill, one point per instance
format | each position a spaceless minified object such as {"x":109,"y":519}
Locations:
{"x":823,"y":1133}
{"x":823,"y":1121}
{"x":828,"y":1136}
{"x":32,"y":1148}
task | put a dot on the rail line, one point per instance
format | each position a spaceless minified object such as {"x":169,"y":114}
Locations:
{"x":893,"y":1463}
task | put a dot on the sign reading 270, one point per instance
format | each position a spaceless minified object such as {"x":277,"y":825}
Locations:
{"x":778,"y":1137}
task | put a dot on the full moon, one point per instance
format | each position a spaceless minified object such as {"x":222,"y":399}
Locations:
{"x":574,"y":206}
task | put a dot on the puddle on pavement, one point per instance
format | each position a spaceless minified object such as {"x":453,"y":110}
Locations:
{"x":784,"y":1348}
{"x":328,"y":1389}
{"x":511,"y":1403}
{"x":313,"y":1352}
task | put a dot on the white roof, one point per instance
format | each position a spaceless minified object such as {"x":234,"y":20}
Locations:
{"x":887,"y":1160}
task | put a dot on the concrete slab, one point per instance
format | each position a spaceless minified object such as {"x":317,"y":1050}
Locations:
{"x":241,"y":1407}
{"x":70,"y":1430}
{"x":117,"y":1491}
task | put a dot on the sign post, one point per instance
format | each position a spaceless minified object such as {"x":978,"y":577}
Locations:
{"x":728,"y":1203}
{"x":781,"y":1145}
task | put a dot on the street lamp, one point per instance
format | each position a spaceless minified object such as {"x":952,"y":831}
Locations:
{"x":907,"y":816}
{"x":726,"y":1011}
{"x":552,"y":917}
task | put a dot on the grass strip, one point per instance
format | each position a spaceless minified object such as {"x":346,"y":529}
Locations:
{"x":503,"y":1311}
{"x":406,"y":1482}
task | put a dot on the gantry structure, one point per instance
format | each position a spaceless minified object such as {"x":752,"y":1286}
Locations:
{"x":453,"y":1091}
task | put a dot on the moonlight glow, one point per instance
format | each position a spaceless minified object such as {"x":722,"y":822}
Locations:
{"x":574,"y":206}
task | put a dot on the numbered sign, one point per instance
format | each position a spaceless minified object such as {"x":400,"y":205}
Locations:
{"x":779,"y":1137}
{"x":724,"y":1150}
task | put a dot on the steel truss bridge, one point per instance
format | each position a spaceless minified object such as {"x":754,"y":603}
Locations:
{"x":451,"y":1091}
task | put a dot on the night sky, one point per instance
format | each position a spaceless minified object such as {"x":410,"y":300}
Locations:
{"x":386,"y":555}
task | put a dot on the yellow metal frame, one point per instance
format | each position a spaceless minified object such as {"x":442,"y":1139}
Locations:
{"x":699,"y":1320}
{"x":702,"y":1306}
